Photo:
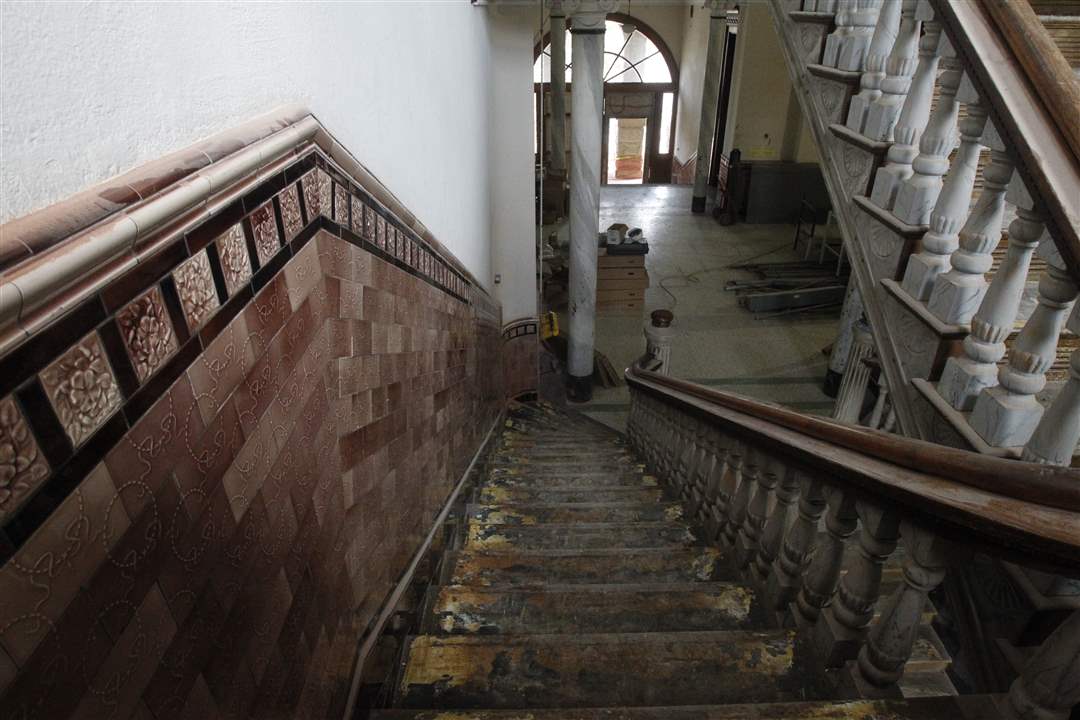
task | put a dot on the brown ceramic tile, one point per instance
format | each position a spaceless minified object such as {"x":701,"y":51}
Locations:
{"x":81,"y":388}
{"x":289,"y":200}
{"x":221,"y":367}
{"x":341,"y":205}
{"x":147,"y":333}
{"x":317,"y":199}
{"x":265,"y":232}
{"x":235,"y":263}
{"x":22,"y":465}
{"x":195,"y":286}
{"x":302,"y":274}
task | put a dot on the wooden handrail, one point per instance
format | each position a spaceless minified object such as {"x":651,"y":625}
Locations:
{"x":1025,"y":509}
{"x":1018,"y":71}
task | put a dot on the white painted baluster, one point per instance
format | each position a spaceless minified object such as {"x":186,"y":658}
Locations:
{"x":1047,"y":688}
{"x":966,"y":376}
{"x":888,"y":24}
{"x":917,"y":196}
{"x":852,"y":394}
{"x":846,"y":48}
{"x":913,"y":117}
{"x":1055,"y":439}
{"x":883,"y":113}
{"x":956,"y":294}
{"x":1006,"y":415}
{"x":844,"y":11}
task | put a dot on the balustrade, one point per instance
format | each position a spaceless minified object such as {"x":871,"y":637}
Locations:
{"x":1056,"y":437}
{"x":772,"y":535}
{"x":877,"y":54}
{"x":821,"y":577}
{"x":884,"y":112}
{"x":749,"y":534}
{"x":745,"y":481}
{"x":799,"y":544}
{"x":846,"y":47}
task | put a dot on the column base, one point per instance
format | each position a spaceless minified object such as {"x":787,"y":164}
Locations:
{"x":831,"y":386}
{"x":579,"y":389}
{"x":697,"y":205}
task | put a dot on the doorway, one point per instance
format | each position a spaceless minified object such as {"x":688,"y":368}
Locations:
{"x":625,"y":143}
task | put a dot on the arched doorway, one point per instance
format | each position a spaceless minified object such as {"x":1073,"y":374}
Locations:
{"x":641,"y":84}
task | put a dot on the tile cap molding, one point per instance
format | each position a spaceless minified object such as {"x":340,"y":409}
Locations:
{"x":53,"y":258}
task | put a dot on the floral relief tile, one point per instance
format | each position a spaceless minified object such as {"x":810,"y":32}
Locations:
{"x":264,"y":229}
{"x":289,"y":199}
{"x":147,"y":332}
{"x":380,"y":231}
{"x":369,"y":223}
{"x":235,"y":263}
{"x":341,"y":205}
{"x":316,"y":185}
{"x":22,"y":466}
{"x":357,"y":220}
{"x":82,"y":388}
{"x":195,"y":285}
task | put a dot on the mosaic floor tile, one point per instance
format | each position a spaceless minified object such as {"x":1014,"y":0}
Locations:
{"x":22,"y":466}
{"x":235,"y":263}
{"x":264,"y":229}
{"x":195,"y":285}
{"x":147,"y":332}
{"x":82,"y":388}
{"x":289,"y":199}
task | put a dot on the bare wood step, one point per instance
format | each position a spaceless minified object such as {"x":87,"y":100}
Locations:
{"x":574,"y":512}
{"x":541,"y":567}
{"x":667,"y":607}
{"x":565,"y":480}
{"x":574,"y":670}
{"x":971,"y":707}
{"x":545,"y":494}
{"x":577,"y":536}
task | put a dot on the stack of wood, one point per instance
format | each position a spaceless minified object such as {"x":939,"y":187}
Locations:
{"x":620,"y":281}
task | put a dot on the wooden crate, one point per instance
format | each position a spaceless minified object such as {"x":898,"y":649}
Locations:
{"x":621,"y":261}
{"x":623,"y":307}
{"x":622,"y":295}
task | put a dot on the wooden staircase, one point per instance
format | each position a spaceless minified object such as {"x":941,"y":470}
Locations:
{"x":577,"y":587}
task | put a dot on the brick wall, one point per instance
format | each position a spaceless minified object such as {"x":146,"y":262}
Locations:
{"x":223,"y":462}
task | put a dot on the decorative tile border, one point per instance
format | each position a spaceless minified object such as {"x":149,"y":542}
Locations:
{"x":520,"y":356}
{"x":143,"y":330}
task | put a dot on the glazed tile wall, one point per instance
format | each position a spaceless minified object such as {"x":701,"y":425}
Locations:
{"x":212,"y":474}
{"x":520,"y":358}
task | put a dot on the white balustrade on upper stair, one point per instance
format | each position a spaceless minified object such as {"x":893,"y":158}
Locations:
{"x":884,"y":112}
{"x":846,"y":47}
{"x":1056,"y":438}
{"x":877,"y":55}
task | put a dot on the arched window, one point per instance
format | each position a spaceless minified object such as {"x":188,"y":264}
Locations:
{"x":630,"y":56}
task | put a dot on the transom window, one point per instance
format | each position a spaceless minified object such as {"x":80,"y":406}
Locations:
{"x":629,"y":57}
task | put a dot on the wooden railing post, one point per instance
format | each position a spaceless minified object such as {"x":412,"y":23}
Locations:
{"x":888,"y":24}
{"x":884,"y":112}
{"x":966,"y":376}
{"x":819,"y":581}
{"x":1006,"y":415}
{"x":1058,"y":433}
{"x":951,"y":207}
{"x":956,"y":294}
{"x":913,"y":117}
{"x":845,"y":620}
{"x":787,"y":576}
{"x":890,"y":641}
{"x":1049,"y":688}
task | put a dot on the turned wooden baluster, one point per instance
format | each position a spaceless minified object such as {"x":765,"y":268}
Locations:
{"x":819,"y":581}
{"x":726,"y":482}
{"x":787,"y":576}
{"x":913,"y":116}
{"x":889,"y":642}
{"x":684,"y":469}
{"x":965,"y":376}
{"x":633,"y":423}
{"x":950,"y":211}
{"x":749,"y":534}
{"x":772,"y":536}
{"x":845,"y":48}
{"x":917,"y":194}
{"x":705,"y":469}
{"x":647,"y":423}
{"x":671,"y":443}
{"x":746,"y":481}
{"x":852,"y":608}
{"x":1006,"y":415}
{"x":842,"y":19}
{"x":956,"y":294}
{"x":888,"y":24}
{"x":1058,"y":433}
{"x":884,"y":112}
{"x":1049,"y":686}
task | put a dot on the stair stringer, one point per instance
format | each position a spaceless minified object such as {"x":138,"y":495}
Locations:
{"x":821,"y":106}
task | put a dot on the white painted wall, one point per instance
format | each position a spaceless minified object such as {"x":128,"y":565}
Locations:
{"x":511,"y":184}
{"x":90,"y":90}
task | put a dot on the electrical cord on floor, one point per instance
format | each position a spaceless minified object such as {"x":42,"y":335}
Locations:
{"x":694,"y":277}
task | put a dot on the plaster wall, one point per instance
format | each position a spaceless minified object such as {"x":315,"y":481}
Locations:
{"x":93,"y":89}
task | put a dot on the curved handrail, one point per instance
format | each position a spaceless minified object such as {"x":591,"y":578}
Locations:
{"x":1031,"y":92}
{"x":1029,"y":510}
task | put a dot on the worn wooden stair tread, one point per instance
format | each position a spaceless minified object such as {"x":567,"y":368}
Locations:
{"x":571,"y":479}
{"x":524,"y":494}
{"x":971,"y":707}
{"x":538,"y":567}
{"x":655,"y":607}
{"x":530,"y":514}
{"x":595,"y":670}
{"x":555,"y":536}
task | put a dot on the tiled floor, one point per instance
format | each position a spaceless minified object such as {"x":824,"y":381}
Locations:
{"x":718,"y":343}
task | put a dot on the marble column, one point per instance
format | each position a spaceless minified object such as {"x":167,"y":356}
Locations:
{"x":710,"y":94}
{"x":587,"y":19}
{"x":558,"y":89}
